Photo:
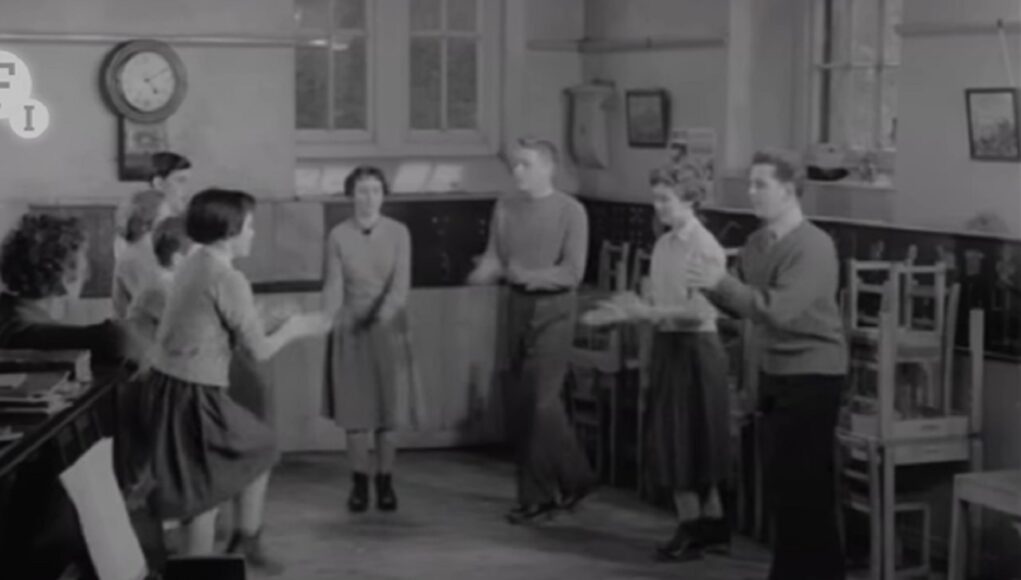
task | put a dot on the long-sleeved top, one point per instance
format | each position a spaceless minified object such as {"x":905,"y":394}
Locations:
{"x":210,"y":308}
{"x":26,"y":325}
{"x":788,"y":287}
{"x":368,"y":270}
{"x":134,"y":268}
{"x":547,"y":236}
{"x":668,"y":285}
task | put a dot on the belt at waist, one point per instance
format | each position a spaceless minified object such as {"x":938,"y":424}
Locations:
{"x":521,"y":289}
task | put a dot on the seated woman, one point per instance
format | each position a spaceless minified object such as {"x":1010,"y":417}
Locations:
{"x":43,"y":260}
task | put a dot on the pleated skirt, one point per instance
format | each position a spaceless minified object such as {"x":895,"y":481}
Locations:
{"x":687,"y":420}
{"x":205,"y":448}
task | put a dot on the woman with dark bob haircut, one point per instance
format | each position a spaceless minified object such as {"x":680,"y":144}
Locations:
{"x":42,"y":261}
{"x":368,"y":276}
{"x":206,"y":448}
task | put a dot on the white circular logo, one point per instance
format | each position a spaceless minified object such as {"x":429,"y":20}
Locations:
{"x":29,"y":119}
{"x":15,"y":82}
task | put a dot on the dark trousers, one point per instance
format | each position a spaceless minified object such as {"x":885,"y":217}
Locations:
{"x":549,"y":459}
{"x":800,"y":418}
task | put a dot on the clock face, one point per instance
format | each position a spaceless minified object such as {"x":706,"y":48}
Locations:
{"x":148,"y":81}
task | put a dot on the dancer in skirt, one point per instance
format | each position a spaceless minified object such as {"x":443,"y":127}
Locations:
{"x":688,"y":412}
{"x":206,"y":448}
{"x":368,"y":277}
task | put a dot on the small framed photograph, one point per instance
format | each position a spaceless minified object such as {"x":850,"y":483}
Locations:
{"x":136,"y":144}
{"x":648,"y":118}
{"x":993,"y":124}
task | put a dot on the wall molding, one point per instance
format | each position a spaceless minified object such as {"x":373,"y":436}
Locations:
{"x":98,"y":38}
{"x":637,"y":44}
{"x":930,"y":29}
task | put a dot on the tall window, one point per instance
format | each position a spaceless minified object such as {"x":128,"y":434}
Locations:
{"x":444,"y":56}
{"x":331,"y":66}
{"x":398,"y":76}
{"x":856,"y":58}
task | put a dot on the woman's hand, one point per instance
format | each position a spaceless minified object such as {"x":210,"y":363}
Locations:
{"x":308,"y":324}
{"x":632,"y":306}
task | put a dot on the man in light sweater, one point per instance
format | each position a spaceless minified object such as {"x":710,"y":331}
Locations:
{"x":538,"y":243}
{"x":786,"y":283}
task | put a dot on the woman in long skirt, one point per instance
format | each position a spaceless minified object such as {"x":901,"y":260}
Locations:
{"x":368,"y":276}
{"x":687,"y":422}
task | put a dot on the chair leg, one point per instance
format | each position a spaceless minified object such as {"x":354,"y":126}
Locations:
{"x":958,"y":539}
{"x":888,"y":510}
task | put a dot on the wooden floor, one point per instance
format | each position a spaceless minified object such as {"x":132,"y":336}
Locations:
{"x":450,"y":526}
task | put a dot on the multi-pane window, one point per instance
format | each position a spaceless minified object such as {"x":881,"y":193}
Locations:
{"x":398,"y":75}
{"x":332,"y":63}
{"x":444,"y":71}
{"x":856,"y":58}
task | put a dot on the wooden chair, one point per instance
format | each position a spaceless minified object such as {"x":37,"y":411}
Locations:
{"x":597,"y":360}
{"x":919,"y":300}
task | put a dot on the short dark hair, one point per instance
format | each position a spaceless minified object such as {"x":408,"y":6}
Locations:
{"x":166,"y":162}
{"x":364,"y":172}
{"x":169,"y":239}
{"x":688,"y":188}
{"x":217,"y":214}
{"x":787,"y":166}
{"x":143,"y":209}
{"x":545,"y":148}
{"x":39,"y":253}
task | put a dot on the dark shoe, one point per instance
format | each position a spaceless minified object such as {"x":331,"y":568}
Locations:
{"x":254,"y":553}
{"x":358,"y":501}
{"x":532,"y":514}
{"x":682,"y":547}
{"x":570,"y":500}
{"x":386,"y":499}
{"x":713,"y":535}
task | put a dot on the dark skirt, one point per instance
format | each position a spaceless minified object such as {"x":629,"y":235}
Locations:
{"x":687,"y":421}
{"x":205,"y":447}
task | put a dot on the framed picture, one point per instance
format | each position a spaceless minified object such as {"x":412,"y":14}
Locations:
{"x":136,"y":144}
{"x":648,"y":118}
{"x":993,"y":124}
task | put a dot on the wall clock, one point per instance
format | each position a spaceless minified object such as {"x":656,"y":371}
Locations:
{"x":144,"y":80}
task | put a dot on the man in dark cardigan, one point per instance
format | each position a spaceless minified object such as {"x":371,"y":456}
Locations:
{"x":538,"y":243}
{"x":786,"y":283}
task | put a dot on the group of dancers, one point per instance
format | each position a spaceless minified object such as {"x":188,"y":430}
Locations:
{"x":187,"y":320}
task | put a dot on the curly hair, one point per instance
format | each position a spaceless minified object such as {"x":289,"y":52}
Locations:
{"x":38,"y":255}
{"x":685,"y":182}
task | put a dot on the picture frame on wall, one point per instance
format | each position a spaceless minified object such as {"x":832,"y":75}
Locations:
{"x":993,"y":132}
{"x":648,"y":118}
{"x":136,"y":144}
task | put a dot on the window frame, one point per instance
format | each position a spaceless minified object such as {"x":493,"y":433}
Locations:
{"x":821,"y":69}
{"x":390,"y":134}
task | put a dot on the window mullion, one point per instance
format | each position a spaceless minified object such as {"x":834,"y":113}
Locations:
{"x":877,"y":96}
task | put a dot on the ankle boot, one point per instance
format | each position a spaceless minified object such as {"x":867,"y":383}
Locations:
{"x":358,"y":501}
{"x":386,"y":499}
{"x":251,"y":548}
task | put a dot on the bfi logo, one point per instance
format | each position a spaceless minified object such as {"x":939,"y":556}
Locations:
{"x":27,"y":117}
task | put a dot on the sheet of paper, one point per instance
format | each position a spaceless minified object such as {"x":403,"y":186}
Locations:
{"x":111,"y":541}
{"x":11,"y":380}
